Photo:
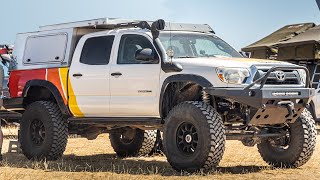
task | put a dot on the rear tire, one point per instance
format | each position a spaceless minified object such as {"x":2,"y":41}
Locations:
{"x":43,"y":131}
{"x":300,"y":146}
{"x":194,"y":137}
{"x":140,"y":144}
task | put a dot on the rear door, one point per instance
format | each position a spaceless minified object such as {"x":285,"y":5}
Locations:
{"x":88,"y":88}
{"x":134,"y":84}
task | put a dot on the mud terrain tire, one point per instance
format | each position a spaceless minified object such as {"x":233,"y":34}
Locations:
{"x":194,"y":137}
{"x":44,"y":131}
{"x":141,"y":144}
{"x":300,"y":147}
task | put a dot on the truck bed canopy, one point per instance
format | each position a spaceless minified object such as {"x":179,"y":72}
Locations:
{"x":304,"y":46}
{"x":262,"y":48}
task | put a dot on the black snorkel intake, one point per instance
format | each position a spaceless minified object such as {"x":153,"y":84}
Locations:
{"x":166,"y":64}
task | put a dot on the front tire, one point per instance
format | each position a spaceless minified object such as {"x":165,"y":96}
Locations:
{"x":194,"y":137}
{"x":297,"y":149}
{"x":136,"y":143}
{"x":44,"y":131}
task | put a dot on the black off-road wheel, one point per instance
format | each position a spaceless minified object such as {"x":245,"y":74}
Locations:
{"x":194,"y":137}
{"x":133,"y":142}
{"x":43,"y":131}
{"x":294,"y":149}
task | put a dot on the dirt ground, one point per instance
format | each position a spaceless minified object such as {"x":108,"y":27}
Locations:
{"x":95,"y":159}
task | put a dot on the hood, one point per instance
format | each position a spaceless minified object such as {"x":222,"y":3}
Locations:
{"x":229,"y":62}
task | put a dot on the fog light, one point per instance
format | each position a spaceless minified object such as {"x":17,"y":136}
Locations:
{"x":278,"y":94}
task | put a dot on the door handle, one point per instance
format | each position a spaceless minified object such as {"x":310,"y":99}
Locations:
{"x":117,"y":74}
{"x":77,"y":75}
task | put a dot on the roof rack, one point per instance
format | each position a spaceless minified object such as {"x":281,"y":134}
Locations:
{"x":113,"y":23}
{"x":101,"y":23}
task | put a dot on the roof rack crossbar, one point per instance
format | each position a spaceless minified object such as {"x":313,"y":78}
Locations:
{"x":141,"y":24}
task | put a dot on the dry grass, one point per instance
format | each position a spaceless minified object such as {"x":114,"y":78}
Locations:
{"x":85,"y":159}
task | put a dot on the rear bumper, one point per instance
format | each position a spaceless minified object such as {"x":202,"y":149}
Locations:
{"x":269,"y":105}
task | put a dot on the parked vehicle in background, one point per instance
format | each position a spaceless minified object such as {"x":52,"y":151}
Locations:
{"x":133,"y":79}
{"x":5,"y":57}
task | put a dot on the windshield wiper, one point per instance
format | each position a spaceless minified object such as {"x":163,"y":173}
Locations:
{"x":211,"y":55}
{"x":186,"y":57}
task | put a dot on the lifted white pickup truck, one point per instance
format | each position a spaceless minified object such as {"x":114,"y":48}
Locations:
{"x":133,"y":79}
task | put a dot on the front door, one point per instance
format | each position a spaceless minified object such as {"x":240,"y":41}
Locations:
{"x":134,"y":84}
{"x":89,"y":93}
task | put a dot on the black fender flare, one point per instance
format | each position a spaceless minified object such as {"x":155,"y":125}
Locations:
{"x":311,"y":107}
{"x":53,"y":89}
{"x":181,"y":78}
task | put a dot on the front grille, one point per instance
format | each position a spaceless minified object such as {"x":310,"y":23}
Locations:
{"x":291,"y":77}
{"x":287,"y":81}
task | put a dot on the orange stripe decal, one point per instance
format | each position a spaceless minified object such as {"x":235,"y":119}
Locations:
{"x":54,"y":77}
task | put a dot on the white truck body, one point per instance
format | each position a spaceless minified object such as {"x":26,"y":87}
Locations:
{"x":130,"y":95}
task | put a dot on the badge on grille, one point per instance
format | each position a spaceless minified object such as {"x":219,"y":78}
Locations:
{"x":280,"y":75}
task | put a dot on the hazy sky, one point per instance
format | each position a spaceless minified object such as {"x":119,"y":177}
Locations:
{"x":238,"y":22}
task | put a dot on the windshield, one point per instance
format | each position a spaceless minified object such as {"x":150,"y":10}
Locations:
{"x":192,"y":45}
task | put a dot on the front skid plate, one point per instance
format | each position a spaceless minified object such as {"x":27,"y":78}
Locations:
{"x":264,"y":103}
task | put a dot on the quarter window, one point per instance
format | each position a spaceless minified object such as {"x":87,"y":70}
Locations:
{"x":97,"y":50}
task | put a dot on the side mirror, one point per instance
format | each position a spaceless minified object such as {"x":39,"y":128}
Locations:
{"x":146,"y":54}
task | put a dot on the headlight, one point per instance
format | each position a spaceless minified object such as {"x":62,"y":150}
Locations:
{"x":303,"y":75}
{"x":233,"y":75}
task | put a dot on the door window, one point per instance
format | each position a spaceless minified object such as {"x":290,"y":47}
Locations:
{"x":97,"y":50}
{"x":129,"y":45}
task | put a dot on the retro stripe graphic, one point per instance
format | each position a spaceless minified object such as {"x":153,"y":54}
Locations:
{"x":57,"y":76}
{"x":54,"y":77}
{"x":73,"y":105}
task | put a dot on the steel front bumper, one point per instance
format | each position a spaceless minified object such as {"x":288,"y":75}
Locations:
{"x":269,"y":105}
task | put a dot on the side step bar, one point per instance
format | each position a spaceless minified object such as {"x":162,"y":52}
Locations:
{"x":118,"y":121}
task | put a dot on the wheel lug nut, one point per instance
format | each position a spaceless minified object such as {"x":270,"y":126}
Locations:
{"x":188,"y":138}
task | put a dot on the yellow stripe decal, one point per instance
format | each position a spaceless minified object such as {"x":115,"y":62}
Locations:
{"x":63,"y":73}
{"x":72,"y":101}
